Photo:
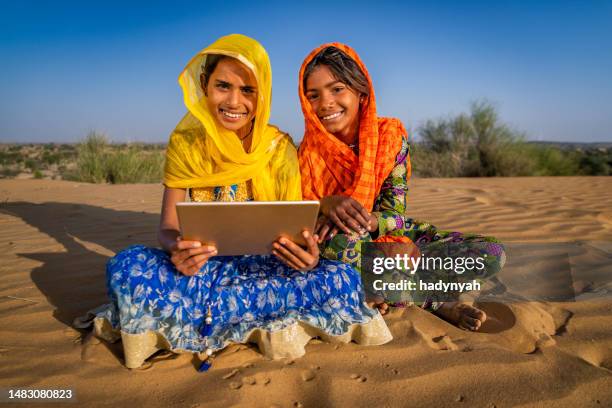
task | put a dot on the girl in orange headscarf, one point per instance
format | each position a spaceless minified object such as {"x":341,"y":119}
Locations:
{"x":358,"y":165}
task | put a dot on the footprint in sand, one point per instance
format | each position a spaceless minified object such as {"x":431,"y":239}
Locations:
{"x":307,"y":375}
{"x":444,"y":343}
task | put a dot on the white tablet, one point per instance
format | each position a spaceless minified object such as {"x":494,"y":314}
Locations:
{"x":240,"y":228}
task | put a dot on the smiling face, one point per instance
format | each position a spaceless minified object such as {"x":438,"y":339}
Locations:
{"x":335,"y":104}
{"x":232,"y":95}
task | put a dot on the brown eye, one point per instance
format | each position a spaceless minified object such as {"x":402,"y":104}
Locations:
{"x":248,"y":91}
{"x":311,"y":97}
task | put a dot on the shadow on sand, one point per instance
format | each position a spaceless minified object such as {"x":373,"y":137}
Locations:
{"x":74,"y":280}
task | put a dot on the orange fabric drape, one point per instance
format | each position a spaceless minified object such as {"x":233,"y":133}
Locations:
{"x":329,"y":166}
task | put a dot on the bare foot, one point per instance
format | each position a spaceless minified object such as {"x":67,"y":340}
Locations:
{"x":378,"y":303}
{"x":462,"y":315}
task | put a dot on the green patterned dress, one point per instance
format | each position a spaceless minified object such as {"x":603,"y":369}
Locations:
{"x":390,"y":209}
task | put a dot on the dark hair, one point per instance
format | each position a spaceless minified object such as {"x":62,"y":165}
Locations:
{"x":342,"y":67}
{"x":212,"y":60}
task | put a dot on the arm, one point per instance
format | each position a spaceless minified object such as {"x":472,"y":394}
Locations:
{"x":187,"y":256}
{"x":390,"y":205}
{"x":168,"y":230}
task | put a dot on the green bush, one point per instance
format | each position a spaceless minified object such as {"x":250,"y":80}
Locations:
{"x":471,"y":145}
{"x":596,"y":163}
{"x":101,"y":162}
{"x":479,"y":145}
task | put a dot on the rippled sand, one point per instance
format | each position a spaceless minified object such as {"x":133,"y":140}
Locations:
{"x":56,"y":236}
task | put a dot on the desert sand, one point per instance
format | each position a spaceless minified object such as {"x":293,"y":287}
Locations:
{"x":56,"y":236}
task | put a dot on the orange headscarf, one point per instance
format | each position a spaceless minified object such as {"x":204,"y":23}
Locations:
{"x":329,"y":166}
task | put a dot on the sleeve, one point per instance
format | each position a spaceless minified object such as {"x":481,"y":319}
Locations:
{"x":390,"y":205}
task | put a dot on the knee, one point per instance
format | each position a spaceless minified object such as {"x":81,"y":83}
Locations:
{"x":119,"y":266}
{"x":496,"y":257}
{"x":344,"y":277}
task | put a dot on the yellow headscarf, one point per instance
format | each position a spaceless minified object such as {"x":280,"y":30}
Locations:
{"x":202,"y":154}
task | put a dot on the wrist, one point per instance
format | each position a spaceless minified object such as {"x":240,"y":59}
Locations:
{"x":168,"y":239}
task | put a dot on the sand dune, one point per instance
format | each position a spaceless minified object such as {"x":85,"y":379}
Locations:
{"x":544,"y":346}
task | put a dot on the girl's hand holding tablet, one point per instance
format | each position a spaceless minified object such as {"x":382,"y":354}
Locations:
{"x":190,"y":256}
{"x":295,"y":256}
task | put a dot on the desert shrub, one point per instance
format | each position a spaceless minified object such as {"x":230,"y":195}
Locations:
{"x":38,"y":174}
{"x":98,"y":161}
{"x":50,"y":157}
{"x":91,"y":159}
{"x":9,"y":172}
{"x":553,"y":161}
{"x":31,"y":164}
{"x":132,"y":165}
{"x":471,"y":145}
{"x":596,"y":163}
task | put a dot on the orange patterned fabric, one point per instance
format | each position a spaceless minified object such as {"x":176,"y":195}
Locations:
{"x":329,"y":166}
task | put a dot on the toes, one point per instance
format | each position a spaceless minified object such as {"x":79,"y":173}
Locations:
{"x":470,"y":323}
{"x":384,"y":308}
{"x":483,"y":316}
{"x":474,"y":313}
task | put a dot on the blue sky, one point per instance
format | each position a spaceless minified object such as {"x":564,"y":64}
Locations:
{"x":70,"y":67}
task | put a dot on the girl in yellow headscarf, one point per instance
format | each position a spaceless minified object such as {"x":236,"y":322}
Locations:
{"x":184,"y":298}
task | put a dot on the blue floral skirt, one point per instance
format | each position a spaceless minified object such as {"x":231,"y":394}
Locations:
{"x":242,"y":293}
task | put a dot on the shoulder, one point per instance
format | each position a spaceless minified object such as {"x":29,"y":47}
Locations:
{"x":187,"y":130}
{"x":281,"y":142}
{"x":392,"y":125}
{"x":394,"y":129}
{"x":285,"y":152}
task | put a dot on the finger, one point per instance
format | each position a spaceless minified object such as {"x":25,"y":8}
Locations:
{"x":357,"y":212}
{"x":198,"y":266}
{"x":321,"y":221}
{"x":334,"y":231}
{"x":347,"y":215}
{"x":348,"y":219}
{"x":311,"y":243}
{"x":373,"y":223}
{"x":340,"y":224}
{"x":287,"y":254}
{"x":324,"y":231}
{"x":181,"y":256}
{"x":302,"y":256}
{"x":284,"y":260}
{"x":186,"y":265}
{"x":362,"y":211}
{"x":194,"y":260}
{"x":188,"y":244}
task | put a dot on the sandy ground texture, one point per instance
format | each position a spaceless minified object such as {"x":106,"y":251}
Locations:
{"x":537,"y":349}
